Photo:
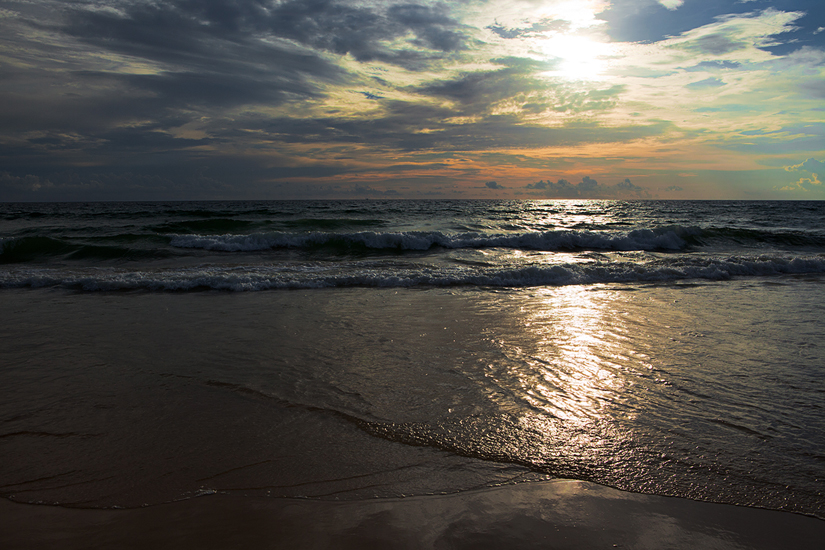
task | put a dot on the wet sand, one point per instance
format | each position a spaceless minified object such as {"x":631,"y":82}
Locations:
{"x":554,"y":514}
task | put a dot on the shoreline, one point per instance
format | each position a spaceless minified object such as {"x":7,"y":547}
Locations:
{"x":561,"y":514}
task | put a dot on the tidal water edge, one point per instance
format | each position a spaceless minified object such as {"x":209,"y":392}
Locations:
{"x":346,"y":351}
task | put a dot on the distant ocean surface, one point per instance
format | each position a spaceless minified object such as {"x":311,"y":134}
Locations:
{"x":357,"y":349}
{"x":295,"y":245}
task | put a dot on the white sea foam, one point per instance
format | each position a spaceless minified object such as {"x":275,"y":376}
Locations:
{"x":379,"y":274}
{"x":667,"y":238}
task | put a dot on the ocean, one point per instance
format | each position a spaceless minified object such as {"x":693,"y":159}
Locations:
{"x":354,"y":350}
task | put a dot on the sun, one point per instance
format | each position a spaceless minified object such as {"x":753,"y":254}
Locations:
{"x":577,"y":57}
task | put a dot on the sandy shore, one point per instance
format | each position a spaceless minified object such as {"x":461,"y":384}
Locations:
{"x":556,"y":514}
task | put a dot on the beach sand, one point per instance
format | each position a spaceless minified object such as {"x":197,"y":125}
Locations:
{"x":560,"y":514}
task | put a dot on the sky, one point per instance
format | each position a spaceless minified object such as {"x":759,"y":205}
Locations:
{"x":326,"y":99}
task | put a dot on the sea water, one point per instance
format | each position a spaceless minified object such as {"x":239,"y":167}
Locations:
{"x":358,"y":349}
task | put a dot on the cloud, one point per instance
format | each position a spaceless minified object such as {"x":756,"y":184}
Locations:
{"x":810,"y":165}
{"x":805,"y":185}
{"x":479,"y":91}
{"x":671,"y":4}
{"x":588,"y":184}
{"x":715,"y":65}
{"x":733,"y":22}
{"x":222,"y":98}
{"x":736,"y":36}
{"x":541,"y":26}
{"x":142,"y":61}
{"x":400,"y":128}
{"x":370,"y":95}
{"x":706,"y":83}
{"x":519,"y":84}
{"x":588,"y":188}
{"x":12,"y":186}
{"x":493,"y":185}
{"x":122,"y":185}
{"x":151,"y":65}
{"x":367,"y":191}
{"x":716,"y":44}
{"x":814,"y":182}
{"x":183,"y":28}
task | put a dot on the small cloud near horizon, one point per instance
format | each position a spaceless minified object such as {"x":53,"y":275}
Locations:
{"x":588,"y":188}
{"x":814,"y":182}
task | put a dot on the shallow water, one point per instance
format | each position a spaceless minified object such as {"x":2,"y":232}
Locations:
{"x":711,"y":391}
{"x":708,"y":387}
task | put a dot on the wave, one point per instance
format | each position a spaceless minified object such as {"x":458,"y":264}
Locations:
{"x":756,"y":237}
{"x":24,"y":249}
{"x":39,"y":248}
{"x":378,"y":274}
{"x":329,"y":235}
{"x":219,"y":225}
{"x":212,"y":225}
{"x":665,"y":238}
{"x":137,"y":211}
{"x":331,"y":223}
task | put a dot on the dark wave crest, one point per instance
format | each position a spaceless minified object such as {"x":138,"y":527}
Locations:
{"x":665,"y":238}
{"x":38,"y":249}
{"x":378,"y":274}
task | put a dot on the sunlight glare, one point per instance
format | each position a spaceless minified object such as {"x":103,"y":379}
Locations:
{"x":579,"y":57}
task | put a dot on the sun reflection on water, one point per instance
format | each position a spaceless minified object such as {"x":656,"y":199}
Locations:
{"x":570,"y":364}
{"x":574,"y":339}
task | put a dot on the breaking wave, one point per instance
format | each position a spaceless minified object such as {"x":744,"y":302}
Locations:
{"x":666,"y":238}
{"x":376,"y":274}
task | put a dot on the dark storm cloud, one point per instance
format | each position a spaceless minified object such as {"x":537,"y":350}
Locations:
{"x":211,"y":55}
{"x":433,"y":27}
{"x":186,"y":30}
{"x":480,"y":90}
{"x":202,"y":58}
{"x":360,"y":31}
{"x":134,"y":72}
{"x":211,"y":51}
{"x":194,"y":89}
